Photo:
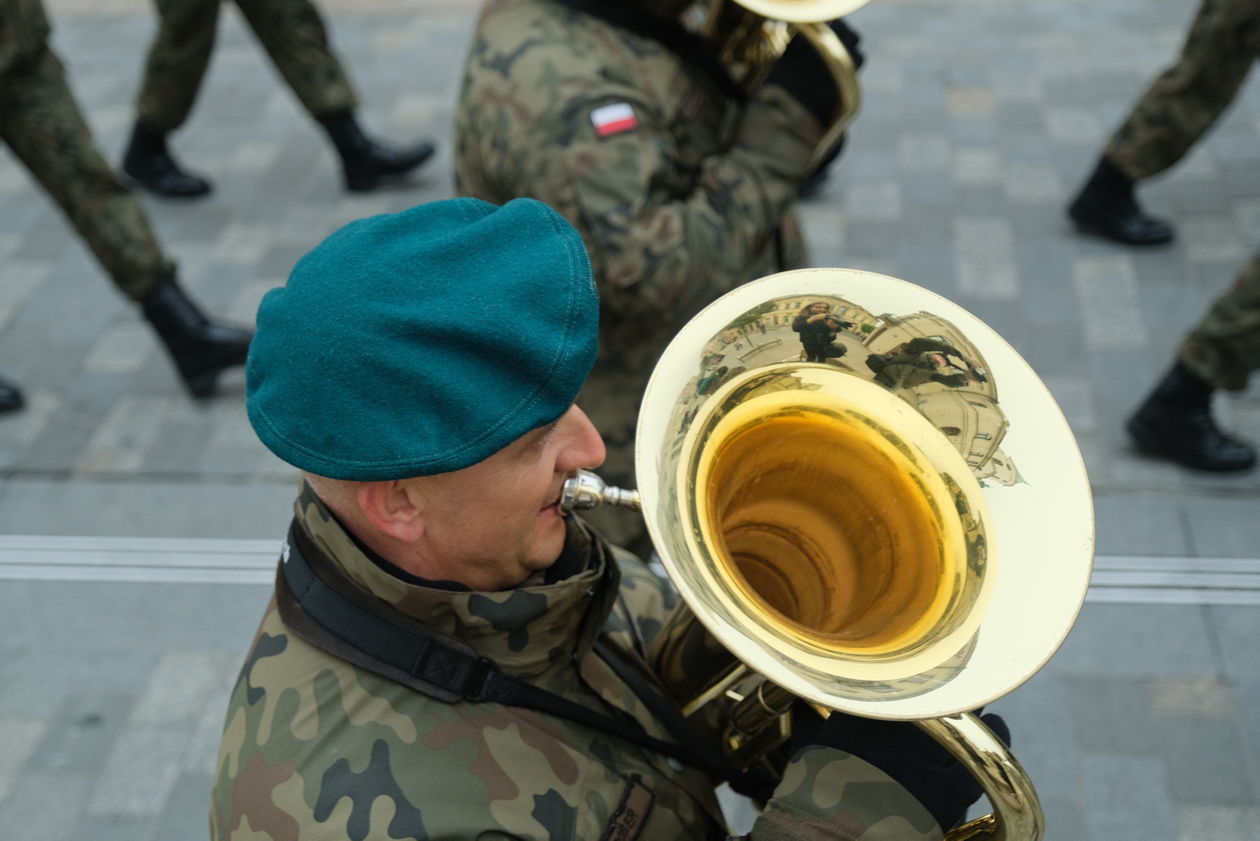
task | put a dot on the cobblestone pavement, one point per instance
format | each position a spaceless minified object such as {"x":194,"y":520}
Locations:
{"x":981,"y":118}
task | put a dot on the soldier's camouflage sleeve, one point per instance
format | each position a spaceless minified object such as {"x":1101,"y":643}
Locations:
{"x":828,"y":795}
{"x":675,"y":210}
{"x":664,"y":253}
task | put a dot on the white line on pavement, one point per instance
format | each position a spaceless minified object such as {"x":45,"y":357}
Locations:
{"x":1132,"y":579}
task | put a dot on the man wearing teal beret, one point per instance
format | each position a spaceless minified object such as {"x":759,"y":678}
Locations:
{"x":447,"y":655}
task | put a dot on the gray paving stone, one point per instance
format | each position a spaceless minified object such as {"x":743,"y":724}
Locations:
{"x":1201,"y":697}
{"x":202,"y":757}
{"x":1235,"y":629}
{"x":84,"y":729}
{"x":186,"y":812}
{"x":1108,"y":291}
{"x":176,"y":691}
{"x":22,"y":694}
{"x":1220,"y":823}
{"x":115,"y":643}
{"x":1120,"y":641}
{"x":114,"y":828}
{"x":1140,"y":524}
{"x":1208,"y":763}
{"x":141,"y":769}
{"x":1126,"y":799}
{"x":984,"y":258}
{"x":1111,"y":716}
{"x":45,"y":805}
{"x":124,"y":436}
{"x":179,"y":446}
{"x":1247,"y":690}
{"x":64,"y":436}
{"x":1065,"y":819}
{"x":1223,"y":527}
{"x":20,"y":736}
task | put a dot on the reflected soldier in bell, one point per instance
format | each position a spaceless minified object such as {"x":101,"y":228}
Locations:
{"x":294,"y":36}
{"x":818,"y":328}
{"x":923,"y":360}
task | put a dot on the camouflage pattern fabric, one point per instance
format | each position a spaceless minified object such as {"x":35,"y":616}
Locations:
{"x":315,"y":748}
{"x":41,"y":122}
{"x":690,"y":200}
{"x":291,"y":31}
{"x":1224,"y":348}
{"x":1183,"y":102}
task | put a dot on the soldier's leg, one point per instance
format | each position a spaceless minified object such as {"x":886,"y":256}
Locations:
{"x":1224,"y":348}
{"x":42,"y":124}
{"x":173,"y":73}
{"x":177,"y":61}
{"x":1171,"y":115}
{"x":1187,"y":98}
{"x":1175,"y":420}
{"x":294,"y":35}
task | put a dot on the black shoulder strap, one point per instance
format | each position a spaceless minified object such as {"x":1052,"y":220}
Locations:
{"x":336,"y":619}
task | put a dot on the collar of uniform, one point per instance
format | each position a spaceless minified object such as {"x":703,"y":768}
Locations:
{"x":526,"y":630}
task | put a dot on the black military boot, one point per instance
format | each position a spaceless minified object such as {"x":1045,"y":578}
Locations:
{"x":1107,"y":208}
{"x":366,"y":163}
{"x":149,"y":163}
{"x":200,"y":348}
{"x":10,"y":397}
{"x":1176,"y":422}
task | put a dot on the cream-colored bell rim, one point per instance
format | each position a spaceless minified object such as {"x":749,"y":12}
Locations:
{"x":802,"y":11}
{"x":1041,"y":529}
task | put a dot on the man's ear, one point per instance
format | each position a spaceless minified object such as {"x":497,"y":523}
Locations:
{"x":394,"y":508}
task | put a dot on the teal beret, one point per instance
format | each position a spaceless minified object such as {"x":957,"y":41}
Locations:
{"x":424,"y":341}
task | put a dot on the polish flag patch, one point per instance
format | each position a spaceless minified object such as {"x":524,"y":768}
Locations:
{"x":614,"y":119}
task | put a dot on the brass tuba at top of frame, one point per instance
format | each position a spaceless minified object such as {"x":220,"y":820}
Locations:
{"x":753,"y":34}
{"x":866,"y":496}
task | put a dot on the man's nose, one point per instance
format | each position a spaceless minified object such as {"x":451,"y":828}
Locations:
{"x":587,"y":447}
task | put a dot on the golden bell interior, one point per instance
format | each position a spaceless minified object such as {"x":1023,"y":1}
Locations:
{"x":830,"y":532}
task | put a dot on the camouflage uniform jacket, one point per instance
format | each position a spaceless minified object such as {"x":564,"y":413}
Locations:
{"x":687,"y":198}
{"x":316,"y":748}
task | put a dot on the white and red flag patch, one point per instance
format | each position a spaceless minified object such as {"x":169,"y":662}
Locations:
{"x":614,"y":119}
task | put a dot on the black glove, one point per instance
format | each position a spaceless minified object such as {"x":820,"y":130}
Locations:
{"x":912,"y":758}
{"x":804,"y":73}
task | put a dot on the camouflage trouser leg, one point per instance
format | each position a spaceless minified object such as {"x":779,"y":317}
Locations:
{"x":294,"y":35}
{"x":611,"y":398}
{"x":177,"y":61}
{"x":42,"y":124}
{"x":1225,"y":346}
{"x":1184,"y":101}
